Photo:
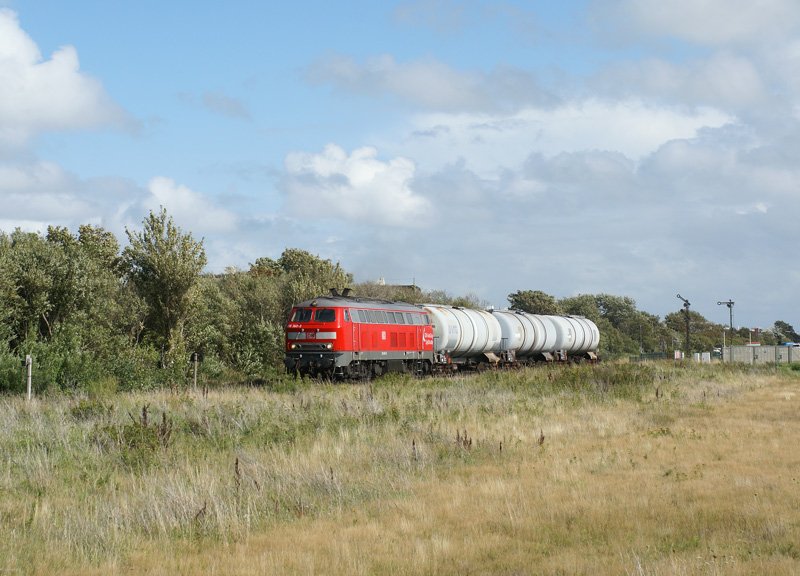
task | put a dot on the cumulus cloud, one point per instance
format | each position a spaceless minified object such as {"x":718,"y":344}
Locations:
{"x":687,"y":216}
{"x":357,"y":187}
{"x":39,"y":95}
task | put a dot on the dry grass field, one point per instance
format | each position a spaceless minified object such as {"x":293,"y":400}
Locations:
{"x":616,"y":469}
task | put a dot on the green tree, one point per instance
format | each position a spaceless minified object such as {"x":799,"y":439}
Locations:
{"x":60,"y":296}
{"x":100,"y":246}
{"x":8,"y":294}
{"x":619,"y":310}
{"x":306,"y":276}
{"x":785,"y":332}
{"x":30,"y":265}
{"x":534,"y":302}
{"x":470,"y":301}
{"x":265,"y":266}
{"x":163,"y":264}
{"x":404,"y":293}
{"x":582,"y":305}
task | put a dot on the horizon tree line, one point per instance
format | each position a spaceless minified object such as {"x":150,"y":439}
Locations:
{"x":97,"y":317}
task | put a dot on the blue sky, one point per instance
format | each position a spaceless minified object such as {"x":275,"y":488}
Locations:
{"x":633,"y":147}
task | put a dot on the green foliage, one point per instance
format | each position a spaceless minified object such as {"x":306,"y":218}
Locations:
{"x":164,"y":264}
{"x":265,"y":267}
{"x":785,"y":332}
{"x":623,"y":329}
{"x":11,"y":371}
{"x":30,"y":267}
{"x":137,"y":368}
{"x":64,"y":362}
{"x":584,"y":305}
{"x":306,"y":276}
{"x":406,"y":293}
{"x":535,"y":302}
{"x":703,"y":335}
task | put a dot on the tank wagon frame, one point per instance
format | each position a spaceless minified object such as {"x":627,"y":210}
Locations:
{"x":338,"y":336}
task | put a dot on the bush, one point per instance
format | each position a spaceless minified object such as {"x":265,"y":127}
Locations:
{"x":12,"y":372}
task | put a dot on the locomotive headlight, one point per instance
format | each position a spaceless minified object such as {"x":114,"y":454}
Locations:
{"x":293,"y":346}
{"x":329,"y":346}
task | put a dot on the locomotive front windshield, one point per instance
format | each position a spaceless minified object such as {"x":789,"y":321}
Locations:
{"x":317,"y":314}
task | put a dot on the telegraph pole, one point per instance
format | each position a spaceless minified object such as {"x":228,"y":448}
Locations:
{"x":686,"y":306}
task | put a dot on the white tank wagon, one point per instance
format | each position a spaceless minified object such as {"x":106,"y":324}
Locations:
{"x":477,"y":338}
{"x":541,"y":337}
{"x":464,"y":335}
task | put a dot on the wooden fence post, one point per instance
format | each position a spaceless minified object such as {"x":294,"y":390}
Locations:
{"x":29,"y":366}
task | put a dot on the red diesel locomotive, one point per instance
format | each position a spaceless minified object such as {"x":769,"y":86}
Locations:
{"x":341,"y":337}
{"x":344,"y":337}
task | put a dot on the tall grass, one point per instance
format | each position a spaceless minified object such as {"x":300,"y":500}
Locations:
{"x":546,"y":467}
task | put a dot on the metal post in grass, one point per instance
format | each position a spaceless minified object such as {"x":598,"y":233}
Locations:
{"x":29,"y":366}
{"x":729,"y":303}
{"x":686,"y":306}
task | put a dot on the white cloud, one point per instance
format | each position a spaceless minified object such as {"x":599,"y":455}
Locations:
{"x":356,"y":187}
{"x":39,"y":95}
{"x":724,"y":80}
{"x":488,"y":143}
{"x":39,"y":193}
{"x":190,"y":209}
{"x":704,"y":22}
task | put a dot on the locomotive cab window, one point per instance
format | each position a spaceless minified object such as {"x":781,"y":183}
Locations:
{"x":301,"y":315}
{"x":325,"y":315}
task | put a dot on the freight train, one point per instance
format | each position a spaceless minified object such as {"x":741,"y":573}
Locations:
{"x":339,"y":336}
